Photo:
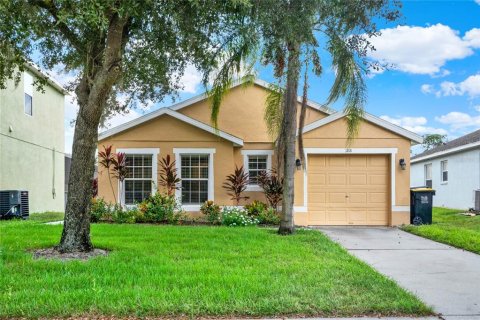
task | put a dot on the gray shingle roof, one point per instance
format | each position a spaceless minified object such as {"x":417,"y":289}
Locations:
{"x":462,"y":141}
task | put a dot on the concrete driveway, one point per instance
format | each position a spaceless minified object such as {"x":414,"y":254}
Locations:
{"x":446,"y":278}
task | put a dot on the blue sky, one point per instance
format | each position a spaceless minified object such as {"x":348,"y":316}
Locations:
{"x":433,"y":87}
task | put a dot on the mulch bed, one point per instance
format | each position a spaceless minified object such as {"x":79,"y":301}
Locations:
{"x":53,"y":254}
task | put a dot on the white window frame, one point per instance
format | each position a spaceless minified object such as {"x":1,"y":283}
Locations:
{"x":246,"y":154}
{"x":145,"y":151}
{"x":27,"y":90}
{"x":211,"y":179}
{"x":425,"y":166}
{"x":442,"y":171}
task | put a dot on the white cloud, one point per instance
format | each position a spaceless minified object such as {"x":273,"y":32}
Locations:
{"x":427,"y":88}
{"x":414,"y":124}
{"x":423,"y":50}
{"x":191,"y":80}
{"x":469,"y":86}
{"x":458,"y":120}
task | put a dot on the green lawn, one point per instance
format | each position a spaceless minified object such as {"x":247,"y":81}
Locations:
{"x":192,"y":271}
{"x":46,"y":216}
{"x":451,"y":228}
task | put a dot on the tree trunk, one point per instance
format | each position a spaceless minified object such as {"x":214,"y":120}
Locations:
{"x":76,"y":229}
{"x":288,"y":134}
{"x":92,"y":92}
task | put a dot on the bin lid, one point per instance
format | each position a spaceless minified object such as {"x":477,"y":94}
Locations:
{"x":422,"y":190}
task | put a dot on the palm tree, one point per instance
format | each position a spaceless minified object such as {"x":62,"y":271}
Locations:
{"x":287,"y":35}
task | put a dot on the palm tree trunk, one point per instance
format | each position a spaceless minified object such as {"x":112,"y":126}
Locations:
{"x":288,"y":135}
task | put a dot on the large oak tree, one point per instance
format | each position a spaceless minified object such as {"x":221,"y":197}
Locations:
{"x":136,"y":48}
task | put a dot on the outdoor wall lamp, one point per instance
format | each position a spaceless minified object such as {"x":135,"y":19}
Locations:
{"x":402,"y":164}
{"x":298,"y":164}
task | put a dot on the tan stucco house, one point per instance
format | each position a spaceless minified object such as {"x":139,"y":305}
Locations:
{"x":362,"y":184}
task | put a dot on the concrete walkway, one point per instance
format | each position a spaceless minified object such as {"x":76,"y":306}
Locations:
{"x":446,"y":278}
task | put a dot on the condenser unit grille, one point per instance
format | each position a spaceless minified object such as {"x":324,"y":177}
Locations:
{"x":4,"y":202}
{"x":24,"y":202}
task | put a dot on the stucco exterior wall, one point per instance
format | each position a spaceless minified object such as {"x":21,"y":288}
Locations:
{"x":31,"y":153}
{"x":463,"y":179}
{"x":242,"y":113}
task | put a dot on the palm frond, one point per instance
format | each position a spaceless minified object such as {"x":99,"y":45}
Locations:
{"x":273,"y":115}
{"x":349,"y":83}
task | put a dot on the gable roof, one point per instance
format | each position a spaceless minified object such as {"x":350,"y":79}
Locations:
{"x":177,"y":115}
{"x":465,"y":142}
{"x":371,"y":118}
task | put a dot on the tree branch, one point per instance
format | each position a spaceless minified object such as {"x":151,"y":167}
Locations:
{"x":64,"y":29}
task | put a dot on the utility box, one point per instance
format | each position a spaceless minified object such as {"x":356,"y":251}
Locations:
{"x":421,"y":204}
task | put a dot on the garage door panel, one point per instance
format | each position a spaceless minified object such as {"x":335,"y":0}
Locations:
{"x":357,"y":216}
{"x":357,"y":198}
{"x":357,"y":179}
{"x":336,"y":162}
{"x":377,"y":197}
{"x":358,"y":161}
{"x":317,"y":198}
{"x":336,"y":198}
{"x":336,"y":217}
{"x":377,"y":179}
{"x":348,"y":189}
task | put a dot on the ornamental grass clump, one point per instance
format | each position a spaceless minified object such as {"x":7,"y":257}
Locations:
{"x":235,"y":217}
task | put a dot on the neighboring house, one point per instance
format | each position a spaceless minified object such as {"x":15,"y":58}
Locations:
{"x":32,"y":138}
{"x":362,"y":184}
{"x":452,"y":169}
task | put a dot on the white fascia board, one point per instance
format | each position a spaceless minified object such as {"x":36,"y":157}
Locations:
{"x":174,"y":114}
{"x":446,"y":152}
{"x":378,"y":121}
{"x":32,"y":67}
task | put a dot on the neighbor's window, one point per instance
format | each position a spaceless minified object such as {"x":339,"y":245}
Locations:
{"x":194,"y":174}
{"x":138,"y":183}
{"x":28,"y":93}
{"x":28,"y":104}
{"x":444,"y":170}
{"x":256,"y":164}
{"x":428,"y":175}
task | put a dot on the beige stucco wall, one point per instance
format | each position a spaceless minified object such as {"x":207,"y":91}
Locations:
{"x":242,"y":113}
{"x":242,"y":116}
{"x":31,"y":154}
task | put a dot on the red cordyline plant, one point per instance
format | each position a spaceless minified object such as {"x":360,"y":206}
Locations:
{"x":272,"y":186}
{"x":236,"y":183}
{"x":168,"y":175}
{"x":105,"y":159}
{"x":119,"y":168}
{"x":116,"y":164}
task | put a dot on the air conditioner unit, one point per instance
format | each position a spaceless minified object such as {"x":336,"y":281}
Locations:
{"x":14,"y":203}
{"x":477,"y":200}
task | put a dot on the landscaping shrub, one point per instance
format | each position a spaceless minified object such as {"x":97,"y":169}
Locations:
{"x":269,"y":216}
{"x":272,"y":186}
{"x":234,"y":217}
{"x":99,"y":209}
{"x":160,"y":208}
{"x":211,"y":211}
{"x":120,"y":215}
{"x":236,"y":183}
{"x":255,"y":208}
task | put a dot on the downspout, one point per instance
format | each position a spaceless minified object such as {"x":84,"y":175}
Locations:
{"x":53,"y":175}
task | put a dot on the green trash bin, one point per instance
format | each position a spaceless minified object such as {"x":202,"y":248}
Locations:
{"x":421,"y":203}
